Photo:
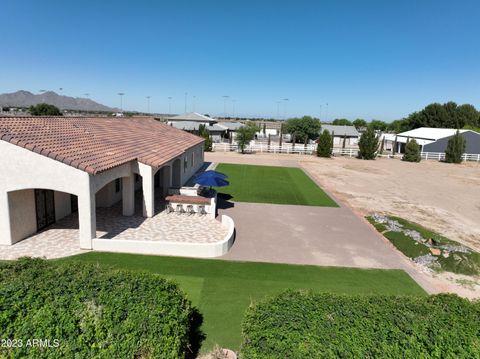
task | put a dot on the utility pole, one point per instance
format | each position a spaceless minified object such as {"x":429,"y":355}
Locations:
{"x":225,"y":97}
{"x":233,"y":108}
{"x":148,"y":104}
{"x":170,"y":105}
{"x":121,"y":100}
{"x":186,"y":93}
{"x":278,"y":110}
{"x":194,"y":97}
{"x":285,"y":108}
{"x":326,"y":113}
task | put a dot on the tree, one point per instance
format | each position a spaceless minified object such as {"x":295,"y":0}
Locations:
{"x":299,"y":127}
{"x":368,"y":144}
{"x":245,"y":134}
{"x":44,"y":109}
{"x":359,"y":123}
{"x":203,"y":132}
{"x":455,"y":148}
{"x":325,"y":144}
{"x":412,"y":152}
{"x":378,"y":125}
{"x":341,"y":122}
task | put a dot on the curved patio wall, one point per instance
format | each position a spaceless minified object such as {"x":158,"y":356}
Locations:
{"x":181,"y":249}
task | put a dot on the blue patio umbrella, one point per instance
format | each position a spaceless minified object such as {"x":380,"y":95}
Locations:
{"x":212,"y":179}
{"x":211,"y":174}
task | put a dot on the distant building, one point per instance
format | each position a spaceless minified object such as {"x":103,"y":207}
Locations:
{"x":341,"y":133}
{"x":192,"y":117}
{"x":219,"y":131}
{"x":435,"y":139}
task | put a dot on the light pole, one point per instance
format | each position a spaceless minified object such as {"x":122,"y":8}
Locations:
{"x":278,"y":110}
{"x":148,"y":104}
{"x":326,"y":113}
{"x":225,"y":97}
{"x":186,"y":93}
{"x":233,"y":108}
{"x":320,"y":118}
{"x":285,"y":108}
{"x":169,"y":105}
{"x":121,"y":100}
{"x":194,"y":97}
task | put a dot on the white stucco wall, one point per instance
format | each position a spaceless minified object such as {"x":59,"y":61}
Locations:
{"x":22,"y":213}
{"x":23,"y":169}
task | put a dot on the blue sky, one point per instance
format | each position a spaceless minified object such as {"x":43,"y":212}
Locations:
{"x":366,"y":59}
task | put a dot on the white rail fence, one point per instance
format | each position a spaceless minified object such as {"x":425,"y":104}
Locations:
{"x":310,"y":149}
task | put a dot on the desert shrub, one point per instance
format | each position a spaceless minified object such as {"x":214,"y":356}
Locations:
{"x":93,"y":312}
{"x":412,"y":152}
{"x":368,"y":144}
{"x":455,"y":148}
{"x":298,"y":324}
{"x":325,"y":144}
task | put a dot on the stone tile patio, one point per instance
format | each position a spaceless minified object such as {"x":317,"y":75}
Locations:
{"x":61,"y":239}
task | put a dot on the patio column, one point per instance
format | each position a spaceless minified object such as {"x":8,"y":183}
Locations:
{"x":87,"y":218}
{"x":147,"y":174}
{"x":5,"y":229}
{"x":167,"y":179}
{"x":128,"y":195}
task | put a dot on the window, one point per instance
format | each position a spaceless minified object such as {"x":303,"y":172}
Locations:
{"x":193,"y":159}
{"x":118,"y":185}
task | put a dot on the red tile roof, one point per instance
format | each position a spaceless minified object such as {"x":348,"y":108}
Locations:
{"x":94,"y":145}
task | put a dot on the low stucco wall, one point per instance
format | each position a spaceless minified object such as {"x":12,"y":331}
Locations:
{"x":181,"y":249}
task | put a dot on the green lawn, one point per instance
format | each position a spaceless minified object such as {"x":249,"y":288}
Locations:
{"x":268,"y":184}
{"x":222,"y":290}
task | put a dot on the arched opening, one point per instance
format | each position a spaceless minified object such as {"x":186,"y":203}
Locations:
{"x":35,"y":211}
{"x":177,"y":173}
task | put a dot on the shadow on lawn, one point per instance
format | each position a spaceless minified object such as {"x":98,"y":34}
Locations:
{"x":195,"y":336}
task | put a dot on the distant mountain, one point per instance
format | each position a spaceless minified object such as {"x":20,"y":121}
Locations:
{"x":25,"y":99}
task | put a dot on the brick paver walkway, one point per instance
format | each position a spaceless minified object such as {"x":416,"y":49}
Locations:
{"x":61,"y":239}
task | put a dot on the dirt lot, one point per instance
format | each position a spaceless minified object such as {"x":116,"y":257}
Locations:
{"x":440,"y":196}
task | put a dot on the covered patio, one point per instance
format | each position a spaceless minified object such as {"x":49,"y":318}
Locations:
{"x":61,"y":238}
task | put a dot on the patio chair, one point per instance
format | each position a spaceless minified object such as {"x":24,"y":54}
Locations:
{"x":180,"y":209}
{"x":201,"y":211}
{"x":169,"y":208}
{"x":190,"y":210}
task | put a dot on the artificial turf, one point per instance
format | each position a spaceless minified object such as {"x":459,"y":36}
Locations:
{"x":268,"y":184}
{"x":222,"y":290}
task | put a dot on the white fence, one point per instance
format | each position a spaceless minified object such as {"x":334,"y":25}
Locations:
{"x":311,"y":149}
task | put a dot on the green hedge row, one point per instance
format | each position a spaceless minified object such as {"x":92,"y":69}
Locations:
{"x":86,"y":311}
{"x":306,"y":325}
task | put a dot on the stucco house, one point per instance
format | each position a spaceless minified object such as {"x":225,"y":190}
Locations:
{"x":54,"y":166}
{"x":434,"y":139}
{"x":349,"y":134}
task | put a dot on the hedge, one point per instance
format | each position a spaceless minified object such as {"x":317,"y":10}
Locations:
{"x":89,"y":312}
{"x":298,"y":324}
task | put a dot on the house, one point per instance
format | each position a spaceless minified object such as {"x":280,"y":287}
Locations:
{"x":341,"y":134}
{"x":55,"y":166}
{"x":436,"y":139}
{"x":192,"y":117}
{"x":217,"y":132}
{"x":231,"y":129}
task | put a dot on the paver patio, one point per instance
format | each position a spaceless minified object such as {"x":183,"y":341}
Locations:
{"x":61,"y":239}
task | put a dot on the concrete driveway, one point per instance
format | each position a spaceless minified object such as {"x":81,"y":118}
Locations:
{"x":306,"y":235}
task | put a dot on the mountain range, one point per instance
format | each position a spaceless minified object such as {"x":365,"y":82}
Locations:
{"x":24,"y":98}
